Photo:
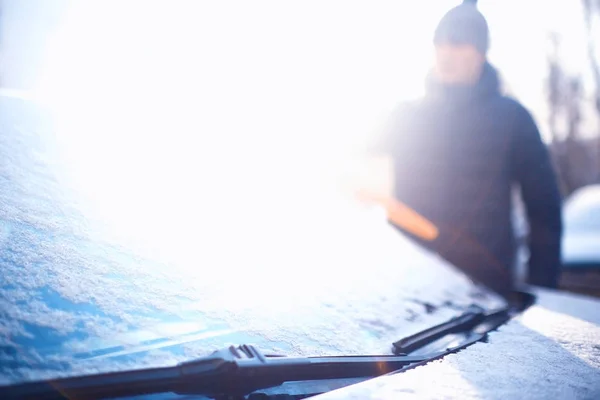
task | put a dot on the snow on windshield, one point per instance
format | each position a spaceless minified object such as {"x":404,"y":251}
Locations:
{"x":183,"y":197}
{"x":293,"y":271}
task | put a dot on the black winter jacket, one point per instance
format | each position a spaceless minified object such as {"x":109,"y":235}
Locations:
{"x":457,"y":154}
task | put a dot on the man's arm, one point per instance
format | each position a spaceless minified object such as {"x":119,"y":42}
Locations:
{"x":535,"y":174}
{"x":375,"y":183}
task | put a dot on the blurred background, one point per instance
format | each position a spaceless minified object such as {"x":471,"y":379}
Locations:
{"x":341,"y":64}
{"x":196,"y":89}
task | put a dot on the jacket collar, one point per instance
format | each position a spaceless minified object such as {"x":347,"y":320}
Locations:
{"x":488,"y":85}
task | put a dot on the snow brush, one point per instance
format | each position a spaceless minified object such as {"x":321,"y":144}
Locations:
{"x":403,"y":216}
{"x":494,"y":276}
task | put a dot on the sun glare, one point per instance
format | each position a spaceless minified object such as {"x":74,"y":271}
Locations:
{"x":178,"y":120}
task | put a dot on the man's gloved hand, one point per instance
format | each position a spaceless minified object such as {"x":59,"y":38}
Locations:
{"x":521,"y":299}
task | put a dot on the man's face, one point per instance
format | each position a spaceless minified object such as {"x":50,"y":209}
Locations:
{"x":458,"y":63}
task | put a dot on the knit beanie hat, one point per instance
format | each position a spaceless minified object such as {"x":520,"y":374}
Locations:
{"x":463,"y":24}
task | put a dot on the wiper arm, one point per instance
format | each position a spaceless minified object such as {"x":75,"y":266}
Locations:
{"x":235,"y":371}
{"x":238,"y":371}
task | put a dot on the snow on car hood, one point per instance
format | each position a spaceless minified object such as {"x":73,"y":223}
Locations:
{"x":580,"y":248}
{"x":335,"y":280}
{"x":581,"y":241}
{"x":549,"y":352}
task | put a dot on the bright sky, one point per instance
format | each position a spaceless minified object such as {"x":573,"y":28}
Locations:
{"x":285,"y":89}
{"x":331,"y":69}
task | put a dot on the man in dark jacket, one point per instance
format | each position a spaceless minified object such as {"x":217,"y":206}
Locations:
{"x":458,"y":152}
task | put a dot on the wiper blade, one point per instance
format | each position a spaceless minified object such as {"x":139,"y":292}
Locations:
{"x":464,"y":322}
{"x":475,"y":319}
{"x":235,"y":372}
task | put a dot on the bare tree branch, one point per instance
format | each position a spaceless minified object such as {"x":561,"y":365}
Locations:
{"x":589,"y":9}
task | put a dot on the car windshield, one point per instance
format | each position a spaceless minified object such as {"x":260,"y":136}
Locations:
{"x":111,"y":264}
{"x":170,"y":184}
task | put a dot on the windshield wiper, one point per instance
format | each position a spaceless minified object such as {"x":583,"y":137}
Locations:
{"x":475,"y":320}
{"x":236,"y":372}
